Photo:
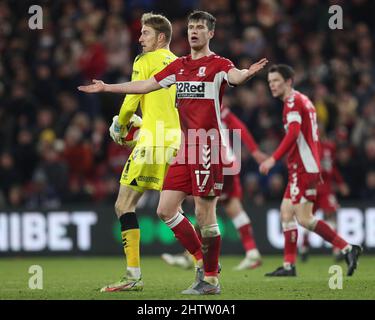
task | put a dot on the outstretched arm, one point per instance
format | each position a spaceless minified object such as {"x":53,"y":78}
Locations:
{"x":135,"y":87}
{"x":236,"y":76}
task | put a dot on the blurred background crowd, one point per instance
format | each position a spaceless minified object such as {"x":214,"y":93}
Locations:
{"x":54,"y":141}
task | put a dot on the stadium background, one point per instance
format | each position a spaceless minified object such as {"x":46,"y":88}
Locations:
{"x":59,"y":170}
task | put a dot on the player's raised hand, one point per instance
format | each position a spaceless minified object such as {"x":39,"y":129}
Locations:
{"x":97,"y":86}
{"x":257,"y":66}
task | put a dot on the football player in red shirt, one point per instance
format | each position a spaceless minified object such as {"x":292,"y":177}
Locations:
{"x":326,"y":198}
{"x":301,"y":142}
{"x":232,"y":191}
{"x":200,"y":80}
{"x":231,"y":197}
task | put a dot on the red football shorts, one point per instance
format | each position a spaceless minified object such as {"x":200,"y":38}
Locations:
{"x":197,"y":170}
{"x":302,"y":187}
{"x":327,"y":202}
{"x":232,"y":188}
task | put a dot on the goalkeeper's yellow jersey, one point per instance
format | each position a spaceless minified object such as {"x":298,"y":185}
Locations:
{"x":160,"y":121}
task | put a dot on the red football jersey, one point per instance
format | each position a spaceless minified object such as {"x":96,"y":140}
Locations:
{"x":304,"y":154}
{"x":200,"y":86}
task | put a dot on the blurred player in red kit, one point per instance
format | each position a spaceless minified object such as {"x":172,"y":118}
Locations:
{"x":200,"y":80}
{"x":301,"y":142}
{"x":231,"y":197}
{"x":326,"y":198}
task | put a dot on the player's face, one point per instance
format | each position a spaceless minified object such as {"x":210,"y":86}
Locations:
{"x":277,"y":84}
{"x":198,"y":34}
{"x":148,"y":39}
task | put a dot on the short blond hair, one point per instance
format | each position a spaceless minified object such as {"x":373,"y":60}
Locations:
{"x":159,"y":23}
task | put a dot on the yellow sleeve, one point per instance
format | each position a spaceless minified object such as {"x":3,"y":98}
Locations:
{"x":131,"y":101}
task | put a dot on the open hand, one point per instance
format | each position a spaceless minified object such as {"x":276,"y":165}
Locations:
{"x":257,"y":66}
{"x":97,"y":86}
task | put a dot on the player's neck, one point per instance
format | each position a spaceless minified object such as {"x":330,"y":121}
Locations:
{"x":287,"y":94}
{"x":166,"y":47}
{"x":197,"y":54}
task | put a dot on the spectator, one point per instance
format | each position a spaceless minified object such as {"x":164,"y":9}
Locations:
{"x":40,"y":108}
{"x":9,"y":175}
{"x":25,"y":155}
{"x":78,"y":156}
{"x":368,"y":191}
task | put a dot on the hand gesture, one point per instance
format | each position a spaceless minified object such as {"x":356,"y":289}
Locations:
{"x":97,"y":86}
{"x":255,"y":67}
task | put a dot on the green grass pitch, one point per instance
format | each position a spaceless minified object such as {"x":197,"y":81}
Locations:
{"x":80,"y":278}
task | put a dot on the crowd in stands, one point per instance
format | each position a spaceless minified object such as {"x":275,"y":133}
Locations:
{"x":54,"y":142}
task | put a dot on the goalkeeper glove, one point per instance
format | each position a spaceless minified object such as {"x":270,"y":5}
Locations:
{"x":131,"y":137}
{"x":125,"y":135}
{"x":116,"y":130}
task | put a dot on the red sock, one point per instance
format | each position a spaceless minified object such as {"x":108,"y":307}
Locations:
{"x":290,"y":246}
{"x":333,"y":226}
{"x":185,"y":234}
{"x":246,"y":235}
{"x":211,"y":251}
{"x":328,"y":234}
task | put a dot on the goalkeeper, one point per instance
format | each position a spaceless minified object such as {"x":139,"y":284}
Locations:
{"x":157,"y":142}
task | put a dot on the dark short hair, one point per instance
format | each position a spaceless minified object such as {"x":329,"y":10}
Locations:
{"x":203,"y":15}
{"x":159,"y":23}
{"x":286,"y":71}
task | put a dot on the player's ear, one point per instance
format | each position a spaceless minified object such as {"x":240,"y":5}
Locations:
{"x":211,"y":34}
{"x":162,"y":38}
